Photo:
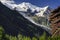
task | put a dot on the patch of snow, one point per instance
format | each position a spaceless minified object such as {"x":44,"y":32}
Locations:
{"x":9,"y":3}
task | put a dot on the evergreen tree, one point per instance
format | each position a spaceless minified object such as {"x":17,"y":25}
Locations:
{"x":20,"y":37}
{"x":12,"y":38}
{"x":1,"y":32}
{"x":43,"y":37}
{"x":34,"y":38}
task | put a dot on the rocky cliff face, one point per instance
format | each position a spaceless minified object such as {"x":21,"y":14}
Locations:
{"x":14,"y":23}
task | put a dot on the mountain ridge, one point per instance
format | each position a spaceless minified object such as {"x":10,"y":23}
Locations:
{"x":24,"y":6}
{"x":25,"y":11}
{"x":13,"y":24}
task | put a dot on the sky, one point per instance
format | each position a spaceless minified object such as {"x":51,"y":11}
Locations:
{"x":42,"y":3}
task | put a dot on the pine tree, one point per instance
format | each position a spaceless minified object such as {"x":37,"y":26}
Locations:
{"x":49,"y":38}
{"x":28,"y":38}
{"x":6,"y":37}
{"x":34,"y":38}
{"x":20,"y":37}
{"x":1,"y":32}
{"x":43,"y":37}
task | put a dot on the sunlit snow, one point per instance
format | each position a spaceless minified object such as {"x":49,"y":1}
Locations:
{"x":23,"y":7}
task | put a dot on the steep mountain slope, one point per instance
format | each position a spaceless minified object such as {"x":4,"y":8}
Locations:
{"x":14,"y":23}
{"x":31,"y":12}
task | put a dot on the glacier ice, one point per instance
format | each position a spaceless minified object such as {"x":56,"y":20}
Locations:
{"x":22,"y":9}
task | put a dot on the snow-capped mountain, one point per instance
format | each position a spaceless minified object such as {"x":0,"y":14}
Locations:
{"x":29,"y":11}
{"x":39,"y":11}
{"x":34,"y":9}
{"x":14,"y":23}
{"x":26,"y":6}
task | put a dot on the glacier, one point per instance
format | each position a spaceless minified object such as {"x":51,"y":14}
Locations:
{"x":22,"y":9}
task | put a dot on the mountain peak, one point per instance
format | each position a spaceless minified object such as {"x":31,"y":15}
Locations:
{"x":24,"y":6}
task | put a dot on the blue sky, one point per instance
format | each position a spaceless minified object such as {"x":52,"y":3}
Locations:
{"x":41,"y":3}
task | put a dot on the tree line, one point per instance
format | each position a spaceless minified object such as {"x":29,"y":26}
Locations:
{"x":4,"y":36}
